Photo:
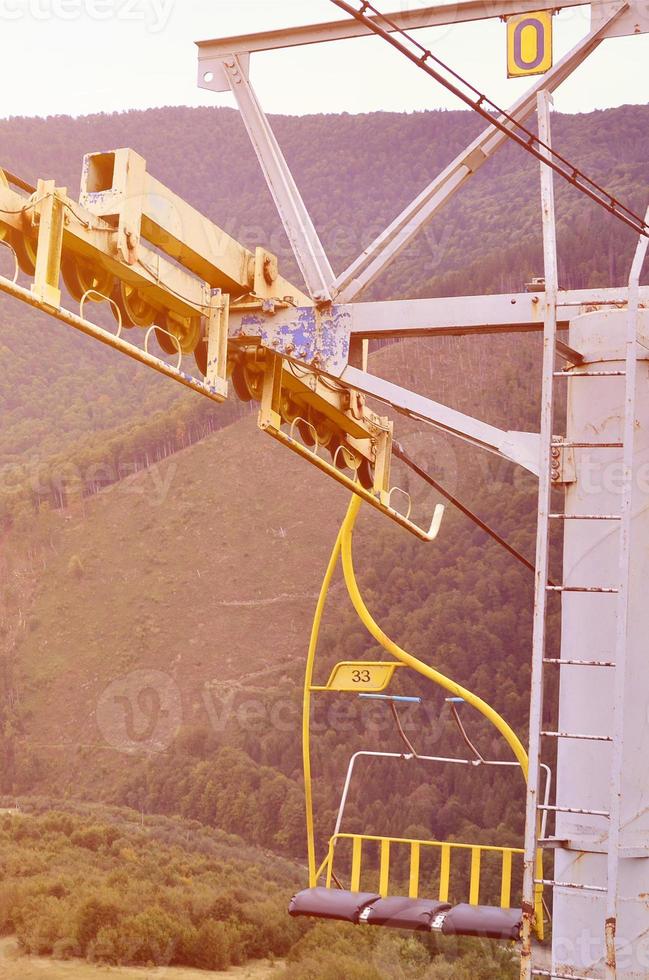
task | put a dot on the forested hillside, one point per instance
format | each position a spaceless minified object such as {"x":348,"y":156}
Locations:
{"x":152,"y":637}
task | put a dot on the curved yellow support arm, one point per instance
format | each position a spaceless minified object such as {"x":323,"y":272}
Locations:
{"x":393,"y":648}
{"x":306,"y":706}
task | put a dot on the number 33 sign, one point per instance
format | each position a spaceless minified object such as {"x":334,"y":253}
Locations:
{"x":529,"y":44}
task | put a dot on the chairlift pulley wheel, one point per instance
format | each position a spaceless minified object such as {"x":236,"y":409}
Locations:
{"x":366,"y":473}
{"x":248,"y":384}
{"x":307,"y":434}
{"x":25,"y":246}
{"x":343,"y":458}
{"x":81,"y":275}
{"x":187,"y":331}
{"x":200,"y":352}
{"x":134,"y":307}
{"x":316,"y":428}
{"x":25,"y":241}
{"x":325,"y":430}
{"x":290,"y":410}
{"x":239,"y":384}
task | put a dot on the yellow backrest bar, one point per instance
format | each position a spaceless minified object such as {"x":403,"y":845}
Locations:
{"x":445,"y":873}
{"x":506,"y":881}
{"x":415,"y":850}
{"x":446,"y":851}
{"x":357,"y":846}
{"x":384,"y":873}
{"x":474,"y":893}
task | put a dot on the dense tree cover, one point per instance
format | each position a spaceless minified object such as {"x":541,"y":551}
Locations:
{"x":116,"y":888}
{"x":332,"y":951}
{"x":109,"y":887}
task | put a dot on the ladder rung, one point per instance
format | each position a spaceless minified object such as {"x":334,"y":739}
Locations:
{"x":564,"y":444}
{"x":591,"y":374}
{"x":572,"y":809}
{"x":578,"y":663}
{"x":585,"y":517}
{"x":588,"y":738}
{"x":570,"y":884}
{"x":582,"y":588}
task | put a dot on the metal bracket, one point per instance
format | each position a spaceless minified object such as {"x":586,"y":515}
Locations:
{"x":570,"y":354}
{"x":563,"y":466}
{"x":212,"y":74}
{"x":217,"y":344}
{"x":50,"y":215}
{"x":519,"y":447}
{"x":634,"y":20}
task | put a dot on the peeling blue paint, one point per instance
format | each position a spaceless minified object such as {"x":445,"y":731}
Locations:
{"x":313,"y":336}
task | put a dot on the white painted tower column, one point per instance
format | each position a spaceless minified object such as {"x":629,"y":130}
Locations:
{"x":591,"y":558}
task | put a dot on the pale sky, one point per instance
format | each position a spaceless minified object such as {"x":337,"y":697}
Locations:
{"x":86,"y":56}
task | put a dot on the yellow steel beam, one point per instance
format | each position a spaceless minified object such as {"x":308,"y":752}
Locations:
{"x":165,"y":285}
{"x":50,"y":242}
{"x":117,"y":182}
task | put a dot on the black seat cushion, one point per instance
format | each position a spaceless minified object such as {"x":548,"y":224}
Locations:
{"x":484,"y":921}
{"x":404,"y":913}
{"x":331,"y":903}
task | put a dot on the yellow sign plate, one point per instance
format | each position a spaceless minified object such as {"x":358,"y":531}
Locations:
{"x":361,"y":676}
{"x":529,"y":44}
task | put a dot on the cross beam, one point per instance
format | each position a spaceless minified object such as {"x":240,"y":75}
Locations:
{"x":453,"y":316}
{"x":437,"y":15}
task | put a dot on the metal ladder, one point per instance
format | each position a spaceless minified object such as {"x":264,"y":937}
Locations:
{"x":550,"y":450}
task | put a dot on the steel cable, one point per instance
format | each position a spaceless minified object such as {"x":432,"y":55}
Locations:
{"x":490,"y":111}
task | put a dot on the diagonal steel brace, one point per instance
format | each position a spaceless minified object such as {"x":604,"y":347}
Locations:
{"x":306,"y":245}
{"x":385,"y":248}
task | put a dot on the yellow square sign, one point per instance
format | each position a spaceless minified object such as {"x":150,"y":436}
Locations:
{"x":362,"y":676}
{"x":529,"y":44}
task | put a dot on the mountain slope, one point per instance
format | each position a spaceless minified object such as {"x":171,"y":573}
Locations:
{"x":206,"y":566}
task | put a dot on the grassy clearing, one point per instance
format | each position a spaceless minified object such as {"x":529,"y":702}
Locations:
{"x":15,"y":966}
